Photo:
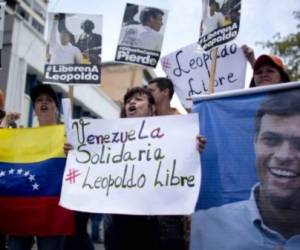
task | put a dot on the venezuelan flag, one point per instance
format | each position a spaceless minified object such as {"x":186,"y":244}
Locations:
{"x":32,"y":163}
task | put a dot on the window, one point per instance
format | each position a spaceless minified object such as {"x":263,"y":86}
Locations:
{"x":39,"y":10}
{"x":23,"y":13}
{"x":38,"y":26}
{"x":28,"y":2}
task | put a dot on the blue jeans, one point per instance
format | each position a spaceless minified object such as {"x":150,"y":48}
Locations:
{"x":43,"y":243}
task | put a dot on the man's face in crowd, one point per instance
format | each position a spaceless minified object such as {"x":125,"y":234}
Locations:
{"x":45,"y":107}
{"x":277,"y":148}
{"x":138,"y":106}
{"x":266,"y":74}
{"x":64,"y":38}
{"x":158,"y":94}
{"x":156,"y":22}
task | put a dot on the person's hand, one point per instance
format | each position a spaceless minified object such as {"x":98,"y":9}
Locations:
{"x":249,"y":54}
{"x":201,"y":141}
{"x":10,"y":119}
{"x":67,"y":148}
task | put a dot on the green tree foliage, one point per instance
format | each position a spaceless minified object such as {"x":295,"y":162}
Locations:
{"x":287,"y":48}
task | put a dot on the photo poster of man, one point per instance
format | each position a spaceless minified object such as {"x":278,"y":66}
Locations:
{"x":74,"y":49}
{"x":141,"y":35}
{"x":250,"y":170}
{"x":220,"y":22}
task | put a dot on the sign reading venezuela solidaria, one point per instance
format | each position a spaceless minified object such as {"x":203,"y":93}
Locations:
{"x":133,"y":166}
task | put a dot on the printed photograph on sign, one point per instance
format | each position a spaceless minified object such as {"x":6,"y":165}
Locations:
{"x":141,"y":35}
{"x":220,"y":22}
{"x":250,"y":170}
{"x":74,"y":49}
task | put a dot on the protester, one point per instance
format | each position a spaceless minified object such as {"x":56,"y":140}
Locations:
{"x":95,"y":227}
{"x":80,"y":239}
{"x":174,"y":230}
{"x":145,"y":35}
{"x":6,"y":120}
{"x":45,"y":103}
{"x":62,"y":52}
{"x":129,"y":231}
{"x":270,"y":219}
{"x":162,"y":90}
{"x":171,"y":227}
{"x":268,"y":69}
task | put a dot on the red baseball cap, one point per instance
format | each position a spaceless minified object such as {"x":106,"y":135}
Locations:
{"x":268,"y":59}
{"x":272,"y":60}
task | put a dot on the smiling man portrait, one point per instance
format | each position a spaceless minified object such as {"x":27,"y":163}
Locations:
{"x":270,"y":219}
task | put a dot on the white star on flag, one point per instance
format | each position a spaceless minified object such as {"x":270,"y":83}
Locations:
{"x":31,"y":178}
{"x":20,"y":171}
{"x":11,"y":171}
{"x":26,"y":173}
{"x":35,"y":186}
{"x":2,"y":173}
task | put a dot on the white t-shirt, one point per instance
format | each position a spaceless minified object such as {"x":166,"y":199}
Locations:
{"x":211,"y":23}
{"x":62,"y":54}
{"x":140,"y":36}
{"x":65,"y":54}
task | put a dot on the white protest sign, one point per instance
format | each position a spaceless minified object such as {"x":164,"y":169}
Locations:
{"x":143,"y":166}
{"x":190,"y":70}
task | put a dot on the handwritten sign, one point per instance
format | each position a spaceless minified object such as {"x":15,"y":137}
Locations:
{"x":190,"y":70}
{"x":133,"y":166}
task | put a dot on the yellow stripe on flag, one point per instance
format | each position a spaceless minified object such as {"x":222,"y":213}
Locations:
{"x":26,"y":145}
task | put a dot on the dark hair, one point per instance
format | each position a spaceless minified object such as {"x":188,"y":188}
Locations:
{"x":163,"y":83}
{"x":88,"y":22}
{"x":133,"y":91}
{"x":43,"y":89}
{"x":212,"y":2}
{"x":149,"y":12}
{"x":279,"y":103}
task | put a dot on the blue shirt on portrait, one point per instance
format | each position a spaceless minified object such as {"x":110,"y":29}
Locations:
{"x":236,"y":226}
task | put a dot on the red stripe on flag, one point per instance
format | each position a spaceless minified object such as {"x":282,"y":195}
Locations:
{"x":40,"y":216}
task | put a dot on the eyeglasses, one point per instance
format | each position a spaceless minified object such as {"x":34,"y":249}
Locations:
{"x":2,"y":114}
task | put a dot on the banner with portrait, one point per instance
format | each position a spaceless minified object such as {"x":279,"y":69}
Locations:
{"x":220,"y":22}
{"x":74,"y":49}
{"x":139,"y":166}
{"x":250,"y":168}
{"x":190,"y":70}
{"x":141,"y":35}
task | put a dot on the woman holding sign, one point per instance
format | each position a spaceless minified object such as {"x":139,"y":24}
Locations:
{"x":126,"y":231}
{"x":268,"y":69}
